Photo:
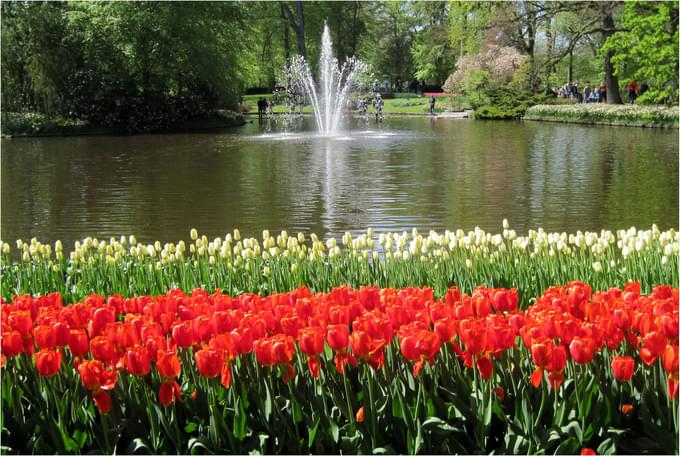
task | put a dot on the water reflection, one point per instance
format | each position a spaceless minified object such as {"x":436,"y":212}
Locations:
{"x":409,"y":172}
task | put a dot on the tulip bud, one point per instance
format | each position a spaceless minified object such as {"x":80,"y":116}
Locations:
{"x":237,"y":234}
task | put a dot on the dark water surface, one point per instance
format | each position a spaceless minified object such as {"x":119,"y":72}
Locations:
{"x":410,"y":172}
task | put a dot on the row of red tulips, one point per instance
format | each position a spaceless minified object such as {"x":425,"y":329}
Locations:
{"x":107,"y":339}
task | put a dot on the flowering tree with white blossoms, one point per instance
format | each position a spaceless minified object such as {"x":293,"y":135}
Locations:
{"x":500,"y":62}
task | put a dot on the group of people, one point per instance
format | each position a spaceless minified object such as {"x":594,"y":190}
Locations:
{"x":378,"y":104}
{"x":264,"y":107}
{"x":597,"y":94}
{"x":635,"y":91}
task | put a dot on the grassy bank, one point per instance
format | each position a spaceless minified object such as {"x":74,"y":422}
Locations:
{"x":402,"y":103}
{"x":627,"y":115}
{"x":26,"y":124}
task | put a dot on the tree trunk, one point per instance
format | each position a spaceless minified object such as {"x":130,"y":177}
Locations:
{"x":610,"y":79}
{"x":300,"y":29}
{"x":570,"y":69}
{"x":355,"y":32}
{"x":297,"y":24}
{"x":550,"y":39}
{"x":286,"y":39}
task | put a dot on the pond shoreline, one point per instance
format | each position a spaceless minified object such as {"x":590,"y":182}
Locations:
{"x":627,"y":115}
{"x":216,"y":123}
{"x":603,"y":123}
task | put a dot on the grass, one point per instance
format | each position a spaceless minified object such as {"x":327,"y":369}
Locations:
{"x":403,"y":104}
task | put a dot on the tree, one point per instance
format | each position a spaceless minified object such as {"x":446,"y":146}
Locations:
{"x":36,"y":52}
{"x":432,"y":51}
{"x":648,"y":49}
{"x":388,"y":41}
{"x":297,"y":22}
{"x":138,"y":65}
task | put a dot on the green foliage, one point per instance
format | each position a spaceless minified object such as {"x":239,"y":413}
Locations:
{"x":469,"y":19}
{"x":136,"y":66}
{"x":18,"y":123}
{"x":388,"y":41}
{"x":507,"y":102}
{"x":475,"y":86}
{"x":433,"y":54}
{"x":648,"y":49}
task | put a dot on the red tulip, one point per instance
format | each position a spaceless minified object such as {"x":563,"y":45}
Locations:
{"x":45,"y":336}
{"x":360,"y":415}
{"x":12,"y":343}
{"x":541,"y":353}
{"x":168,"y":393}
{"x":626,"y":408}
{"x":445,"y":329}
{"x":183,"y":334}
{"x":283,"y":349}
{"x":21,"y":321}
{"x":61,"y":333}
{"x":337,"y":336}
{"x":102,"y":349}
{"x":582,"y":350}
{"x":48,"y":362}
{"x":263,"y":351}
{"x":100,"y":318}
{"x":623,"y":368}
{"x":95,"y":377}
{"x":587,"y":452}
{"x":102,"y":400}
{"x":209,"y":362}
{"x":670,"y":359}
{"x":485,"y":367}
{"x":168,"y":365}
{"x":653,"y":346}
{"x":360,"y":343}
{"x":505,"y":300}
{"x":311,"y":340}
{"x":137,"y":361}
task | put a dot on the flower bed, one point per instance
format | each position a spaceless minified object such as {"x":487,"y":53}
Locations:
{"x":632,"y":115}
{"x":370,"y":370}
{"x":281,"y":262}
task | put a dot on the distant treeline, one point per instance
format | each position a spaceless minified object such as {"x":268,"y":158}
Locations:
{"x":141,"y":65}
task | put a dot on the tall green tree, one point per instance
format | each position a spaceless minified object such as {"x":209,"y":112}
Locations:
{"x":387,"y":45}
{"x":433,"y":54}
{"x":646,"y":50}
{"x":36,"y":55}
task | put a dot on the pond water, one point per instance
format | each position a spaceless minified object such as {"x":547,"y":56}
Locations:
{"x":408,"y":172}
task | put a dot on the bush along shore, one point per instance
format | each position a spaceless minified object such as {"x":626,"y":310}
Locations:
{"x":29,"y":124}
{"x":604,"y":114}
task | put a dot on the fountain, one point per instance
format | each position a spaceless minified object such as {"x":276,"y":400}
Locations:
{"x":334,"y":87}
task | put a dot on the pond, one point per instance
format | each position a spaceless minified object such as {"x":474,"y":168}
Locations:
{"x":408,"y":172}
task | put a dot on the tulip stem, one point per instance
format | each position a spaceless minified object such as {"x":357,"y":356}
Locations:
{"x":350,"y":411}
{"x":371,"y":401}
{"x":105,"y":425}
